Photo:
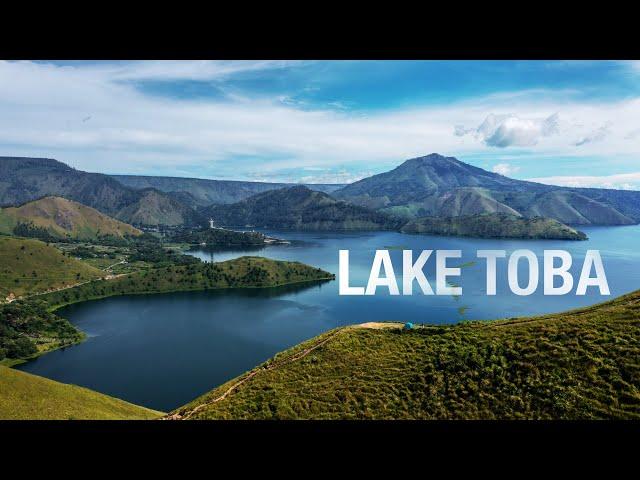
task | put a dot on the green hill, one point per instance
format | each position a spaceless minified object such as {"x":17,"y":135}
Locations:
{"x":61,"y":219}
{"x":298,"y":208}
{"x":243,"y":272}
{"x":494,"y":225}
{"x":157,"y":208}
{"x":28,"y":397}
{"x":31,"y":266}
{"x":581,"y":364}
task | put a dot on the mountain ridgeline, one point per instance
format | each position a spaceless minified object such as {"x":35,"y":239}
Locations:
{"x":299,"y":208}
{"x":432,"y":186}
{"x":28,"y":179}
{"x":200,"y":192}
{"x":446,"y":187}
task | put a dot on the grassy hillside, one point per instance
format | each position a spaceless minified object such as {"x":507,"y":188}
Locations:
{"x":243,"y":272}
{"x":31,"y":266}
{"x":494,"y":225}
{"x":157,"y":208}
{"x":62,"y":218}
{"x":582,"y":364}
{"x":28,"y":397}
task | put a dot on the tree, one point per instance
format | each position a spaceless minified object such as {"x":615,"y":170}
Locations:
{"x":20,"y":348}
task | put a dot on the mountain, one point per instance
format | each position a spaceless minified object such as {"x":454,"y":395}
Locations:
{"x":62,"y":218}
{"x":298,"y":208}
{"x":435,"y":185}
{"x":203,"y":192}
{"x":25,"y":179}
{"x":157,"y":208}
{"x":494,"y":225}
{"x":580,"y":364}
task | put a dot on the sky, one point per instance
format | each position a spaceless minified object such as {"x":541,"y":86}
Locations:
{"x":573,"y":123}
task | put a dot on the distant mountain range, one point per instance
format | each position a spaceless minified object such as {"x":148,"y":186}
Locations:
{"x":27,"y":179}
{"x":298,"y":208}
{"x":430,"y":186}
{"x":446,"y":187}
{"x":143,"y":201}
{"x":202,"y":192}
{"x":61,"y":218}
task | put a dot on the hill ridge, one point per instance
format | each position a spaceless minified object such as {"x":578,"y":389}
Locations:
{"x":64,"y":218}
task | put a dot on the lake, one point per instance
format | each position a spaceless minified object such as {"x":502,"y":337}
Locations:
{"x":162,"y":351}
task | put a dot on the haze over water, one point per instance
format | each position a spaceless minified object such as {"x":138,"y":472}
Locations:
{"x":164,"y":350}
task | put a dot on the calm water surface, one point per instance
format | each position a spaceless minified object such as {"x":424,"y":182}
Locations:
{"x":163,"y":350}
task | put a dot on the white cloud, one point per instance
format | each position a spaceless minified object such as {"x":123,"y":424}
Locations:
{"x":633,"y":134}
{"x":164,"y":70}
{"x":43,"y":107}
{"x":624,"y":181}
{"x":505,"y":169}
{"x":596,"y":135}
{"x":508,"y":130}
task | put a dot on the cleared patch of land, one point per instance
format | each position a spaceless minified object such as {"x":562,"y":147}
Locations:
{"x":582,"y":364}
{"x":28,"y":397}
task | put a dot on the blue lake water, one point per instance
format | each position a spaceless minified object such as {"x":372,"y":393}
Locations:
{"x":164,"y":350}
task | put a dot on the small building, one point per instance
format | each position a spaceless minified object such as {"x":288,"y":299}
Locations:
{"x":408,"y":326}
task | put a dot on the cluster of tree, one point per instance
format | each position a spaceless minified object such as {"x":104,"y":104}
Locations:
{"x":23,"y":323}
{"x":32,"y":231}
{"x":83,"y":251}
{"x":160,"y":256}
{"x":217,"y":237}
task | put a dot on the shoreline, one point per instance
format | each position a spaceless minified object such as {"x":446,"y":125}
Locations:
{"x":83,"y":336}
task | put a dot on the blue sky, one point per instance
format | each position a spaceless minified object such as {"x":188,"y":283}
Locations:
{"x":575,"y":123}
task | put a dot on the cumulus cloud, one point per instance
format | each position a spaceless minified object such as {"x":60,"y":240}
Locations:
{"x":624,"y":181}
{"x":508,"y":130}
{"x":505,"y":169}
{"x":596,"y":135}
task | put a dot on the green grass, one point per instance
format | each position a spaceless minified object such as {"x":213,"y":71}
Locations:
{"x":582,"y":364}
{"x":494,"y":225}
{"x":28,"y":397}
{"x":30,"y":266}
{"x":62,"y":218}
{"x":243,"y":272}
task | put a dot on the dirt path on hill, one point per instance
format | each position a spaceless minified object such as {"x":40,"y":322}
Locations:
{"x":273,"y":366}
{"x":66,"y":287}
{"x":252,"y":374}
